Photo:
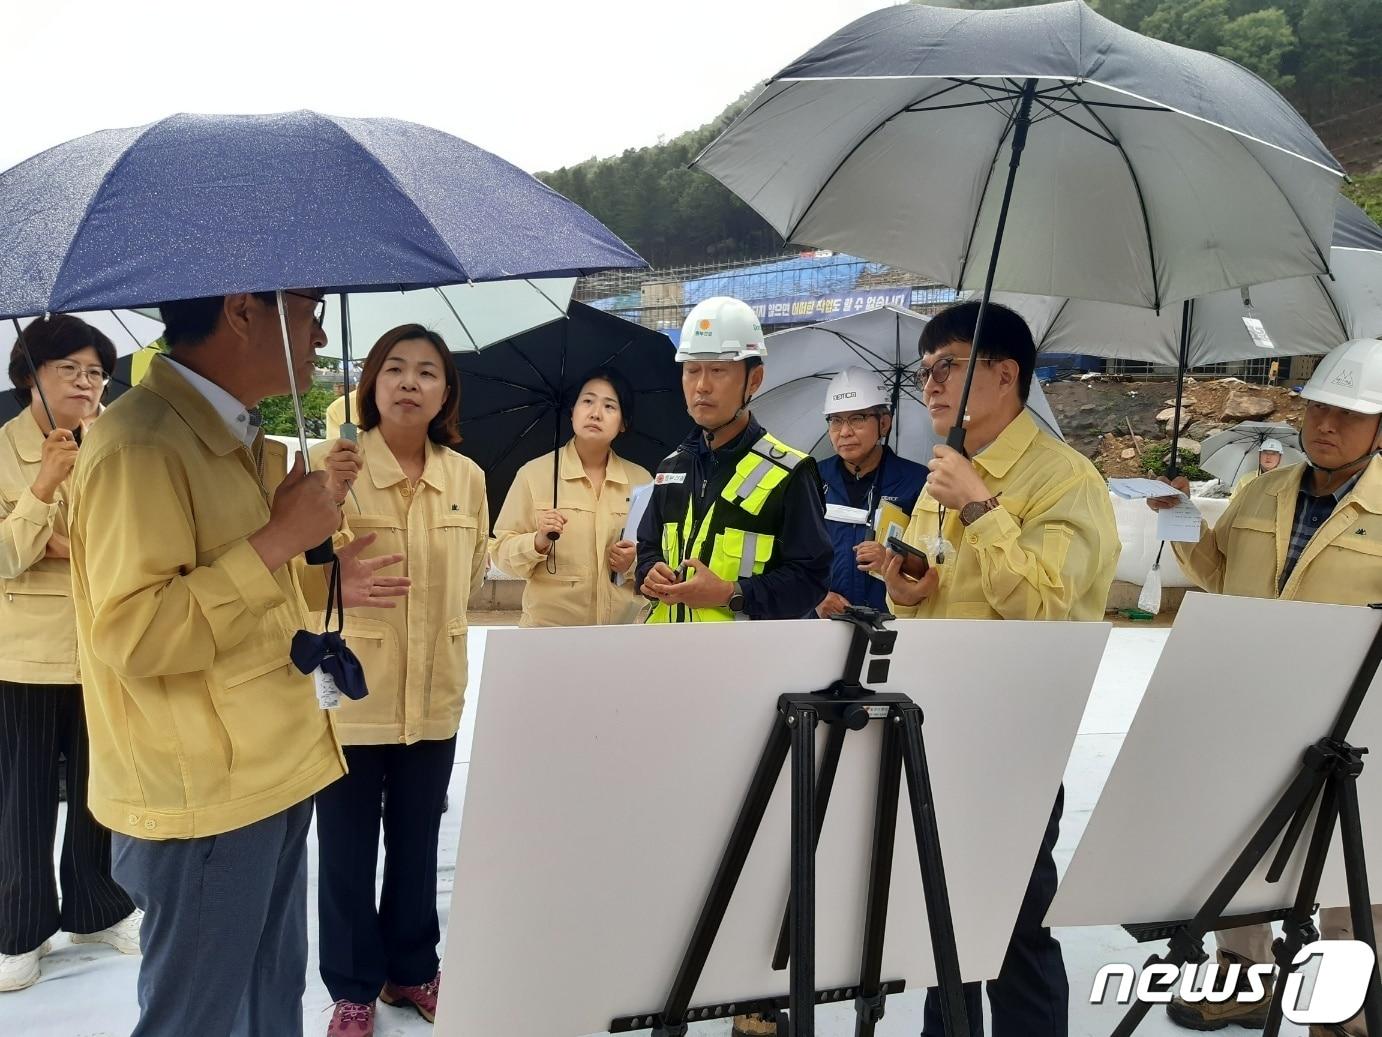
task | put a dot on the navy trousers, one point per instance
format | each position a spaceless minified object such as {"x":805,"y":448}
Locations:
{"x":364,"y":943}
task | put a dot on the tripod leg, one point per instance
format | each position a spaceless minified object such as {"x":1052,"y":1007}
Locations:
{"x":1190,"y":936}
{"x":932,"y":872}
{"x":869,"y":1006}
{"x":726,"y":877}
{"x":802,"y":991}
{"x":1359,"y":899}
{"x":825,"y":784}
{"x":1298,"y":928}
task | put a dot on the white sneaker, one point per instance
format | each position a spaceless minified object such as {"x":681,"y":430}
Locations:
{"x":18,"y":971}
{"x":123,"y":935}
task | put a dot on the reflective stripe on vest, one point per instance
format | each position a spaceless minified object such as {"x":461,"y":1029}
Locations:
{"x":736,"y":554}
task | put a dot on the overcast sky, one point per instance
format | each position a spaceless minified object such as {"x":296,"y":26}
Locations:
{"x":543,"y":84}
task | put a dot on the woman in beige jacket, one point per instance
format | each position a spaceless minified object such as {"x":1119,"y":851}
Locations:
{"x":41,"y":714}
{"x":427,"y":502}
{"x":571,"y":580}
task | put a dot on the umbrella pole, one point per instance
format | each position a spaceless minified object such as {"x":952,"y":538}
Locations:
{"x":33,"y":375}
{"x":1187,"y":313}
{"x":347,"y":427}
{"x":293,"y":381}
{"x":1023,"y":122}
{"x":897,"y":382}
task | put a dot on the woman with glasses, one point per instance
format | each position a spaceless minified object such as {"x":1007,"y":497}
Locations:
{"x":571,"y":550}
{"x":864,"y":474}
{"x":41,"y":713}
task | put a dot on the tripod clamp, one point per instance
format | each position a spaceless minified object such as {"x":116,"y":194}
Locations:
{"x":870,"y":636}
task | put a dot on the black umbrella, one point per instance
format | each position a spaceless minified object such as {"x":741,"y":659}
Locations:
{"x":516,"y":395}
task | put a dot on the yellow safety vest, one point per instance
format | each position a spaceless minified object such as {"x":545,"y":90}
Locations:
{"x":740,"y":526}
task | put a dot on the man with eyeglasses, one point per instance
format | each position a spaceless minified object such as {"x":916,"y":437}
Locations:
{"x":1021,"y":529}
{"x":864,"y":474}
{"x":207,"y":744}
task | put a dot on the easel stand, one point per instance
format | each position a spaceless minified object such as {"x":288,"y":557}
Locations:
{"x":1328,"y":776}
{"x":845,"y":706}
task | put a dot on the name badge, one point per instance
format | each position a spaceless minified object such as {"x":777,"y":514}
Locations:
{"x":669,"y":478}
{"x":840,"y":513}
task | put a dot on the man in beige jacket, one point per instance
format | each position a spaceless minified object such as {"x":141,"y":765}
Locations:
{"x":1307,"y":532}
{"x":206,"y":743}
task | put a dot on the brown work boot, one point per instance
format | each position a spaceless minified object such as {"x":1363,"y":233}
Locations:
{"x":1206,"y":1016}
{"x":754,"y":1026}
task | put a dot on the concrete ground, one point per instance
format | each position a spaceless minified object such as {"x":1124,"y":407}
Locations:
{"x":90,"y":992}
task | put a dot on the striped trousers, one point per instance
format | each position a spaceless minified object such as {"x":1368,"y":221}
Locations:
{"x":37,"y":723}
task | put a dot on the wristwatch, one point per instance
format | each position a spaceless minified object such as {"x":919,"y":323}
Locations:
{"x":977,"y":509}
{"x":736,"y":598}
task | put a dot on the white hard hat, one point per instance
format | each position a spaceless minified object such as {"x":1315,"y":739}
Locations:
{"x":1349,"y":377}
{"x":1271,"y":446}
{"x":855,"y":389}
{"x":721,"y":328}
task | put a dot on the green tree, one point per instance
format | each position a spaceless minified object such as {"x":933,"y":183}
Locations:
{"x":1327,"y":62}
{"x":1189,"y":23}
{"x":276,"y":413}
{"x":1261,"y":42}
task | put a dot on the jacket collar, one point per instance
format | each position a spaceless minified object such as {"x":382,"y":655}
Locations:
{"x":1366,"y":492}
{"x":999,"y":456}
{"x":384,"y":469}
{"x":191,"y":406}
{"x":572,"y":469}
{"x":27,"y":437}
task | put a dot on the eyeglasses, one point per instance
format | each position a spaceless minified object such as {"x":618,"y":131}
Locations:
{"x":318,"y":311}
{"x":70,"y":372}
{"x":940,"y":370}
{"x":854,"y":421}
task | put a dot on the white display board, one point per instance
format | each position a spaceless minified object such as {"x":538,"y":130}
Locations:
{"x":1243,"y":686}
{"x":608,"y":766}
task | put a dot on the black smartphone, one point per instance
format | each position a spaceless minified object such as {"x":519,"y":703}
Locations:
{"x":914,"y":562}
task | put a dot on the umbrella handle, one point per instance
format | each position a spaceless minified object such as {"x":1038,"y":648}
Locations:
{"x":323,"y":552}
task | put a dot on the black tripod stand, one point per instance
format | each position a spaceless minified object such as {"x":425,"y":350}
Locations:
{"x":1328,"y":776}
{"x":846,"y":706}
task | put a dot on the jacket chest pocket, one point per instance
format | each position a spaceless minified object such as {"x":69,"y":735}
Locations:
{"x":451,"y":542}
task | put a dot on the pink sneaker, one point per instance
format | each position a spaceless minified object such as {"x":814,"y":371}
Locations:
{"x":349,"y":1019}
{"x":423,"y":997}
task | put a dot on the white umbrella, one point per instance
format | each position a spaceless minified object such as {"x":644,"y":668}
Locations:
{"x":801,"y":362}
{"x":467,"y":316}
{"x":127,"y":330}
{"x":1230,"y":454}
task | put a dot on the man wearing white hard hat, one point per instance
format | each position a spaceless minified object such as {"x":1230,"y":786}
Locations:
{"x":1268,"y":460}
{"x":735,"y":526}
{"x":1328,"y":512}
{"x":864,"y":474}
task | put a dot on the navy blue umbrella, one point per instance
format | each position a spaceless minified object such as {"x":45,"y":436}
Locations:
{"x":199,"y":205}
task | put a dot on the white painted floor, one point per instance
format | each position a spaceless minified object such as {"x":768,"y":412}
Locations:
{"x":90,"y":992}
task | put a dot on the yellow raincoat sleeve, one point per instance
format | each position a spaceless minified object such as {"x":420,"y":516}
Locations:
{"x":479,"y":563}
{"x":1205,"y":561}
{"x":514,"y":552}
{"x":24,"y":533}
{"x":155,"y":611}
{"x":1038,"y":569}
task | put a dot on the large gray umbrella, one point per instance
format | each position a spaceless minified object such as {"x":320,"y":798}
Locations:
{"x":1302,"y":315}
{"x":1299,"y":315}
{"x":803,"y":360}
{"x":1150,"y":174}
